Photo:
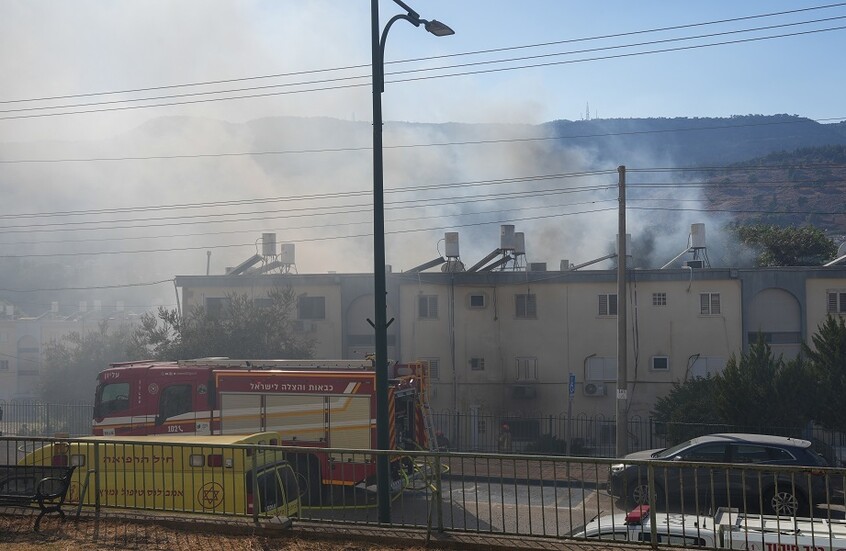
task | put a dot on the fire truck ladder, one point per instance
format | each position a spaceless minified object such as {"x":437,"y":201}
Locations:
{"x":428,"y":424}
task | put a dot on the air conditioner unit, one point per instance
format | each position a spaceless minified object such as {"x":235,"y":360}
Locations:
{"x":594,"y":389}
{"x":694,"y":264}
{"x":523,"y":392}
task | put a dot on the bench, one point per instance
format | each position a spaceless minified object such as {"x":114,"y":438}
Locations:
{"x":43,"y":486}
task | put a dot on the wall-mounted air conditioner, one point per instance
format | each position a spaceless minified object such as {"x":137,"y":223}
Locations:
{"x":594,"y":389}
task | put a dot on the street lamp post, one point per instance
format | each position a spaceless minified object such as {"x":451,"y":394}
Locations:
{"x":383,"y":475}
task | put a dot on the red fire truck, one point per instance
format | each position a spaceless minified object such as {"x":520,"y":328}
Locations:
{"x":311,"y":403}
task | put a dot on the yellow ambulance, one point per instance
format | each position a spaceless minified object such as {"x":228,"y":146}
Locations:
{"x":221,"y":474}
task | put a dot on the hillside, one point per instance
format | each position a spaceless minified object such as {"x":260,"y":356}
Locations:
{"x":696,"y":141}
{"x":761,"y":190}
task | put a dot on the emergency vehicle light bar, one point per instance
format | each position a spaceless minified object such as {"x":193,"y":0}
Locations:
{"x":637,"y":515}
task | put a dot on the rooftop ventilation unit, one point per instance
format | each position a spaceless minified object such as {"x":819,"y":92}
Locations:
{"x":565,"y":265}
{"x":537,"y":266}
{"x":693,"y":264}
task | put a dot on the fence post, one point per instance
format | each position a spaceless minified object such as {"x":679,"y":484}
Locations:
{"x":650,"y":480}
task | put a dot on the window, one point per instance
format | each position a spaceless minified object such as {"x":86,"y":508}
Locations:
{"x":427,"y":306}
{"x":111,"y":398}
{"x":659,"y":299}
{"x":776,"y":337}
{"x":527,"y":306}
{"x":218,"y":307}
{"x":708,"y":453}
{"x":709,"y":304}
{"x":527,"y":369}
{"x":4,"y":365}
{"x":477,"y":301}
{"x":263,"y":303}
{"x":836,"y":302}
{"x":477,"y":364}
{"x":601,"y":369}
{"x":311,"y":308}
{"x":660,"y":363}
{"x":175,"y":400}
{"x":608,"y":305}
{"x":433,"y":367}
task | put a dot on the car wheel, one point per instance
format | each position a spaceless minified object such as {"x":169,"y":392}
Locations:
{"x":784,"y":501}
{"x":639,"y":494}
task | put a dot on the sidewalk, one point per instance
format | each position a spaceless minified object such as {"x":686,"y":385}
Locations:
{"x":130,"y":530}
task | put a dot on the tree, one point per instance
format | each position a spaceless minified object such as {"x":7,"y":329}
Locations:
{"x":826,"y":367}
{"x":787,"y":246}
{"x":72,"y":364}
{"x":687,"y":407}
{"x":760,"y":390}
{"x":242,"y":328}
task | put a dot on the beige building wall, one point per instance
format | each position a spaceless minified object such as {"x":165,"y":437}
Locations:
{"x":510,"y":362}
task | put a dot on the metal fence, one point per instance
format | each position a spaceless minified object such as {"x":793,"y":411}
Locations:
{"x":499,"y":494}
{"x":579,"y":435}
{"x":35,"y":418}
{"x":595,"y":436}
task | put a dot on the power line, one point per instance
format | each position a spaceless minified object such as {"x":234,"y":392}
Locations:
{"x":428,"y":58}
{"x":318,"y":196}
{"x":393,"y":81}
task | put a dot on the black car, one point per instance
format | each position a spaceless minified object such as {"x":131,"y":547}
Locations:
{"x":782,"y":492}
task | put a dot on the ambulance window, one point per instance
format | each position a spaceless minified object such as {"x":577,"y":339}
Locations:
{"x":270,"y":494}
{"x":289,"y":482}
{"x":175,"y":400}
{"x":113,"y":397}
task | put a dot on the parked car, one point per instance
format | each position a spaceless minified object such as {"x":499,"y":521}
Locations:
{"x":780,"y":492}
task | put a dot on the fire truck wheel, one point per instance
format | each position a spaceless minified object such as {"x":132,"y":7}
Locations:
{"x":639,"y":494}
{"x":784,"y":501}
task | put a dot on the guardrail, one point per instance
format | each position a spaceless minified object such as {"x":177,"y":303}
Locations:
{"x":497,"y":494}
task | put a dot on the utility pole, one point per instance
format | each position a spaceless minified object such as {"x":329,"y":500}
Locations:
{"x":622,"y":373}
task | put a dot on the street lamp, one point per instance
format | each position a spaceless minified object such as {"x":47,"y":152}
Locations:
{"x":383,"y":475}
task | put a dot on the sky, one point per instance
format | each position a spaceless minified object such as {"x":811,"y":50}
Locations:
{"x":81,"y":77}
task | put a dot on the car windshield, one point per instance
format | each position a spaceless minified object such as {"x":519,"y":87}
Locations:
{"x":672,"y":451}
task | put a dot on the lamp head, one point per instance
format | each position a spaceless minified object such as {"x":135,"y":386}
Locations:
{"x":437,"y":28}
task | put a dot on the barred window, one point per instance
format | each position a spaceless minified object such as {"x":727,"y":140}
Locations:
{"x":433,"y":367}
{"x":659,"y":299}
{"x":527,"y":369}
{"x":527,"y":306}
{"x":608,"y":304}
{"x":709,"y":304}
{"x":836,"y":303}
{"x":427,"y":306}
{"x":477,"y":364}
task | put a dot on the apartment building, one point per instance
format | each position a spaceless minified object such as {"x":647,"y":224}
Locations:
{"x":504,"y":343}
